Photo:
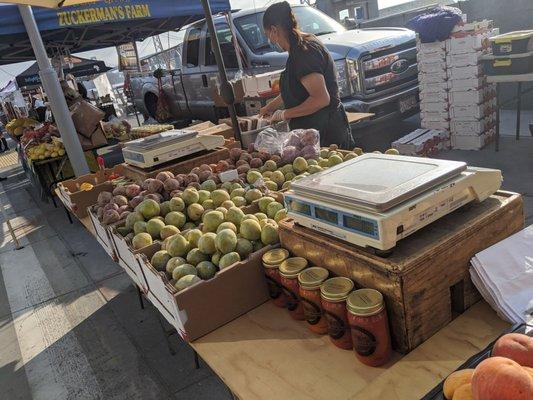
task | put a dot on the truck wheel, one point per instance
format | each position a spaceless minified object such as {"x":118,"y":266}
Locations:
{"x":150,"y":102}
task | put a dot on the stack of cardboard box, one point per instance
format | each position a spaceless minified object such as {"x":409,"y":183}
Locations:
{"x":472,"y":101}
{"x":433,"y":80}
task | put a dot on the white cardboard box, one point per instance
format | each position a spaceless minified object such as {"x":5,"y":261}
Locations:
{"x":435,"y":106}
{"x":434,"y":116}
{"x":440,"y":96}
{"x":461,"y":142}
{"x":439,"y":125}
{"x":461,"y":60}
{"x":465,"y":72}
{"x":429,"y":67}
{"x":432,"y":77}
{"x":472,"y":112}
{"x":466,"y":128}
{"x":468,"y":43}
{"x":440,"y":87}
{"x":422,"y":142}
{"x":431,"y":58}
{"x":472,"y":96}
{"x":431,"y":48}
{"x":461,"y":85}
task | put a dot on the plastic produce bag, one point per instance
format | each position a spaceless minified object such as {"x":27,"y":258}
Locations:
{"x":270,"y":140}
{"x":301,"y":143}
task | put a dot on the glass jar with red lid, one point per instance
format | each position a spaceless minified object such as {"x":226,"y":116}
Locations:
{"x":333,"y":294}
{"x":289,"y":270}
{"x":369,"y":326}
{"x":271,"y":261}
{"x":310,"y":280}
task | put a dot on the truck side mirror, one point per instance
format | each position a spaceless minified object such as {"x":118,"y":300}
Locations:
{"x":350,"y":23}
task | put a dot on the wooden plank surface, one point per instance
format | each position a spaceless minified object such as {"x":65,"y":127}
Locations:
{"x":354,"y":117}
{"x":267,"y":355}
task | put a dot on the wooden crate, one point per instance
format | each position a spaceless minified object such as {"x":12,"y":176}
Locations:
{"x":209,"y":304}
{"x":426,"y":281}
{"x":182,"y":166}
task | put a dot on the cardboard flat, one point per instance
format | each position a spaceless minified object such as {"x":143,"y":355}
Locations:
{"x":476,"y":128}
{"x":461,"y":85}
{"x":433,"y":77}
{"x":434,"y":116}
{"x":473,"y":112}
{"x":472,"y":142}
{"x":465,"y":72}
{"x":470,"y":97}
{"x":222,"y":129}
{"x":434,"y":106}
{"x":209,"y":304}
{"x":101,"y":232}
{"x":438,"y":125}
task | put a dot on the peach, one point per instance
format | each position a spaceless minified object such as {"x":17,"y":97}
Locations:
{"x":456,"y":379}
{"x":516,"y":346}
{"x":463,"y":392}
{"x":499,"y":378}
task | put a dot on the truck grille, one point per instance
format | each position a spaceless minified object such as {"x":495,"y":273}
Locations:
{"x":388,"y":69}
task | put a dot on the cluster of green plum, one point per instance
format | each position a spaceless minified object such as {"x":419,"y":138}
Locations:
{"x":225,"y":237}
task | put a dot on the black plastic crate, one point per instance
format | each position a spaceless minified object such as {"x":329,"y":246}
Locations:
{"x":512,"y":43}
{"x":515,"y":64}
{"x":437,"y":394}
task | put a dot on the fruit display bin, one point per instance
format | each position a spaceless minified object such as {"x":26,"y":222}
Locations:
{"x":182,"y":165}
{"x":437,"y":392}
{"x":76,"y":200}
{"x":426,"y":281}
{"x":102,"y":233}
{"x":126,"y":257}
{"x":209,"y":304}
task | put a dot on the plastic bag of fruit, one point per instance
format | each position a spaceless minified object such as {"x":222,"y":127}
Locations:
{"x":270,"y":140}
{"x":300,"y":143}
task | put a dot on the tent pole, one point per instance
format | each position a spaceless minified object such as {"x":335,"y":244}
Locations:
{"x":227,"y":90}
{"x":55,"y":95}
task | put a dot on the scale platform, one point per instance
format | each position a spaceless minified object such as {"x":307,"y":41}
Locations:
{"x":376,"y":199}
{"x":166,"y":146}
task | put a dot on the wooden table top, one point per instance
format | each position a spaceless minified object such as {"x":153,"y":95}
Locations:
{"x":265,"y":354}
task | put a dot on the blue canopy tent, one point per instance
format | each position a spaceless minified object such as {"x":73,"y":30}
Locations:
{"x":25,"y":34}
{"x":96,"y":25}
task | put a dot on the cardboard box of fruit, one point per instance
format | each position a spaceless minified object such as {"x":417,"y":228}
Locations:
{"x":79,"y":193}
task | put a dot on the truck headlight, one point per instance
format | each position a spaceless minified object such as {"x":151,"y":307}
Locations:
{"x":342,"y":78}
{"x":352,"y":67}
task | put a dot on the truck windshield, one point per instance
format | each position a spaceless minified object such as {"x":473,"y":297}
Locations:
{"x":310,"y":21}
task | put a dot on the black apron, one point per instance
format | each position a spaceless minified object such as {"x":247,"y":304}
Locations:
{"x":332,"y":123}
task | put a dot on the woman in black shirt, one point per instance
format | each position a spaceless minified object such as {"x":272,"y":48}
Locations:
{"x":309,"y":91}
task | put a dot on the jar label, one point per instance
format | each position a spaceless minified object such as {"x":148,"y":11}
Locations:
{"x":312,"y":312}
{"x":292,"y":299}
{"x":364,"y":342}
{"x":274,"y":288}
{"x":336,"y":326}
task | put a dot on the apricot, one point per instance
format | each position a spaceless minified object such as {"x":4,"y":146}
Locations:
{"x":463,"y":392}
{"x":499,"y":378}
{"x":456,"y":379}
{"x":516,"y":346}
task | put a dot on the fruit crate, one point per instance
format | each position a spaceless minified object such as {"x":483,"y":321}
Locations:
{"x":102,"y":233}
{"x":209,"y":304}
{"x":76,"y":200}
{"x":437,"y":392}
{"x":426,"y":280}
{"x":182,"y":165}
{"x":126,"y":256}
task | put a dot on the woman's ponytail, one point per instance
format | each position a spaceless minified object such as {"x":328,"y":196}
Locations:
{"x":280,"y":14}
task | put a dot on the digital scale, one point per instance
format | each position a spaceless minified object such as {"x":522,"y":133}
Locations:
{"x":377,"y":199}
{"x":166,"y":146}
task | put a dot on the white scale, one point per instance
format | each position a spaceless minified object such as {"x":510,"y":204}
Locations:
{"x":376,"y":199}
{"x":166,"y":146}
